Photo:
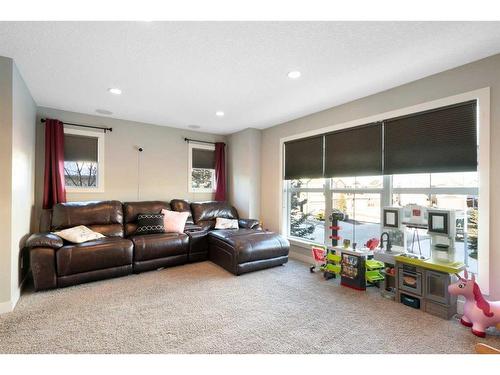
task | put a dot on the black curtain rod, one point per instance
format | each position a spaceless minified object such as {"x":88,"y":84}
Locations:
{"x":86,"y":126}
{"x":194,"y":140}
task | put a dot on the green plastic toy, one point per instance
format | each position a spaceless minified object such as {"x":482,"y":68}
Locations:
{"x":330,"y":262}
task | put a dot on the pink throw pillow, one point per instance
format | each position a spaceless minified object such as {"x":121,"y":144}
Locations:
{"x":174,"y":221}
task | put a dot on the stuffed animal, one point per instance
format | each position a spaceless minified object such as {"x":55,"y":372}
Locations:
{"x":479,"y":313}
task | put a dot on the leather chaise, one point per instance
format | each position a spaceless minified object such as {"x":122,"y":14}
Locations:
{"x":239,"y":250}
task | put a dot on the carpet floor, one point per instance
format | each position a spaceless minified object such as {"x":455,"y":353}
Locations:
{"x":201,"y":308}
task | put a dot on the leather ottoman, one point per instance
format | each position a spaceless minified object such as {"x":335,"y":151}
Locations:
{"x":245,"y":250}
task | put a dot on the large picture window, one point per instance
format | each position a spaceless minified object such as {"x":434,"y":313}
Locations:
{"x":311,"y":201}
{"x":434,"y":154}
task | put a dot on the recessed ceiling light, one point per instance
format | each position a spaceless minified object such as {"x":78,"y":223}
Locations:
{"x":194,"y":126}
{"x":219,"y":114}
{"x":115,"y":91}
{"x":104,"y":112}
{"x":294,"y":74}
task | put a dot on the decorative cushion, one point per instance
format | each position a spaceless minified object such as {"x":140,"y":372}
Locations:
{"x":222,"y":223}
{"x":174,"y":221}
{"x":150,"y":223}
{"x":79,"y":234}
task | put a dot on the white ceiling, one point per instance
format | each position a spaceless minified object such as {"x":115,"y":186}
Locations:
{"x":180,"y":73}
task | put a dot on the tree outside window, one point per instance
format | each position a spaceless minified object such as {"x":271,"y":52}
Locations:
{"x":81,"y":174}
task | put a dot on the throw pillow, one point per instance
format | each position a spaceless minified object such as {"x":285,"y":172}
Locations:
{"x":174,"y":221}
{"x":149,"y":224}
{"x":222,"y":223}
{"x":79,"y":234}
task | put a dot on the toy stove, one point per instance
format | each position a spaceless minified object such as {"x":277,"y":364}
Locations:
{"x":410,"y":279}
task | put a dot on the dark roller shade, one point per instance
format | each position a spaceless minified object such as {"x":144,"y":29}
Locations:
{"x":440,"y":140}
{"x":203,"y":158}
{"x":304,"y":158}
{"x":80,"y":148}
{"x":354,"y":152}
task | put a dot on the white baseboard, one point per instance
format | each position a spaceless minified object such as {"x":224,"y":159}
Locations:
{"x":300,"y":257}
{"x":7,"y":306}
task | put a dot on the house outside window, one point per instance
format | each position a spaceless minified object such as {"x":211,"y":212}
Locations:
{"x":83,"y":161}
{"x":201,"y":168}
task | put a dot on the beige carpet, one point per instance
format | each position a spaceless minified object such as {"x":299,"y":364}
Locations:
{"x":201,"y":308}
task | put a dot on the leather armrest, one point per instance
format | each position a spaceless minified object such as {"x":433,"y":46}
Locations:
{"x":198,"y":241}
{"x":47,"y":240}
{"x":249,"y":224}
{"x":192,"y":228}
{"x":43,"y":268}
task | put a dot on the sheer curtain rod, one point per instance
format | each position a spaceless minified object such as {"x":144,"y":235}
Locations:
{"x":85,"y":126}
{"x":194,"y":140}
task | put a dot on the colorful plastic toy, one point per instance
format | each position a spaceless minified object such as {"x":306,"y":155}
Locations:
{"x":335,"y":217}
{"x":479,"y":313}
{"x":372,"y":243}
{"x":326,"y":260}
{"x":319,"y":255}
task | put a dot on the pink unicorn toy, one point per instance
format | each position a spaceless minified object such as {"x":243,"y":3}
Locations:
{"x":479,"y":313}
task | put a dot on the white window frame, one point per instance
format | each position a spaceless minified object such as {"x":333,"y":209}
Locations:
{"x":328,"y":192}
{"x":193,"y":145}
{"x":386,"y":199}
{"x":483,"y":114}
{"x":100,"y":161}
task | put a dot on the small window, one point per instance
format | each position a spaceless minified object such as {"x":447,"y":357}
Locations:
{"x":83,"y":156}
{"x":201,"y":168}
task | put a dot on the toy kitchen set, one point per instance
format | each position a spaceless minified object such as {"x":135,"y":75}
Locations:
{"x":398,"y":265}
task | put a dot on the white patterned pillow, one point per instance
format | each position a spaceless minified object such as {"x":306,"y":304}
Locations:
{"x":222,"y":223}
{"x":79,"y":234}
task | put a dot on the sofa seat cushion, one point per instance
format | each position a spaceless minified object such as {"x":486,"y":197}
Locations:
{"x":159,"y":245}
{"x":94,"y":255}
{"x":251,"y":245}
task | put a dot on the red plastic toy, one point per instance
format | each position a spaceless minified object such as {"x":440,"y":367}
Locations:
{"x":372,"y":243}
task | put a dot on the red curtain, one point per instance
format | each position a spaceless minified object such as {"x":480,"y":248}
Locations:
{"x":53,"y":185}
{"x":220,"y":171}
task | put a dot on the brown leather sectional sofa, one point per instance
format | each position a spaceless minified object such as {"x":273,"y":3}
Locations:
{"x":57,"y":263}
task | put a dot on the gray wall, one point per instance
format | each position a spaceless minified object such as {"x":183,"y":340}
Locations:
{"x":23,"y":176}
{"x":164,"y":161}
{"x":244,"y":172}
{"x":482,"y":73}
{"x":17,"y":150}
{"x":6,"y":180}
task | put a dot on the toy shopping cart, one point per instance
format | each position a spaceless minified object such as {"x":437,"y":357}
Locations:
{"x":319,"y":256}
{"x":327,"y":261}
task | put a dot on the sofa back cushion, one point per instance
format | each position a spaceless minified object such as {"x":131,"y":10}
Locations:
{"x":45,"y":224}
{"x":206,"y":213}
{"x":181,"y":205}
{"x":132,"y":209}
{"x":105,"y":217}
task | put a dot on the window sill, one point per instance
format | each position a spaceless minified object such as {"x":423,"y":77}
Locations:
{"x":79,"y":191}
{"x":302,"y":243}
